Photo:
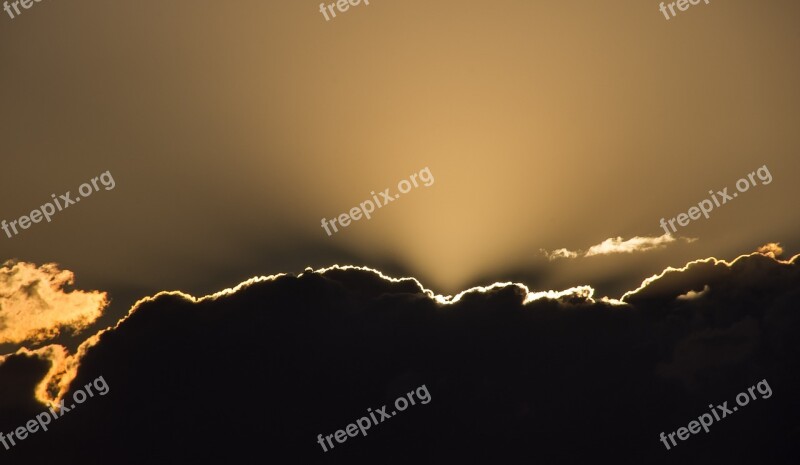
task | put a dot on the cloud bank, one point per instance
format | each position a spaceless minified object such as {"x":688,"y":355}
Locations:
{"x":514,"y":374}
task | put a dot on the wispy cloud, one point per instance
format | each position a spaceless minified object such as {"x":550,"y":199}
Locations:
{"x":692,"y":295}
{"x":634,"y":244}
{"x":560,"y":253}
{"x":616,"y":245}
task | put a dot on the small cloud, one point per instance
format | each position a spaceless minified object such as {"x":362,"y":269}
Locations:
{"x":559,"y":253}
{"x":615,"y":245}
{"x":691,"y":295}
{"x":772,"y":249}
{"x":34,"y":305}
{"x":634,"y":244}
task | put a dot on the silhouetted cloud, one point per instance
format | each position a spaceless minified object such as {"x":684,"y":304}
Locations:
{"x":555,"y":376}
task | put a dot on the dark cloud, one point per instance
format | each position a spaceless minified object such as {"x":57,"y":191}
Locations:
{"x":19,"y":376}
{"x":260,"y":371}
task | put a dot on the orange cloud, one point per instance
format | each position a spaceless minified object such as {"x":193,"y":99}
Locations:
{"x":34,"y":306}
{"x":772,"y":249}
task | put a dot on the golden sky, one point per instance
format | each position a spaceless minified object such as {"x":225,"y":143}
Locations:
{"x":232,"y":129}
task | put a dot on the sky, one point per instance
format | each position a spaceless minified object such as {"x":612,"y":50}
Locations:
{"x":555,"y":135}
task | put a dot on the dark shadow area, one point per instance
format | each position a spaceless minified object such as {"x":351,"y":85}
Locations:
{"x":260,"y":373}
